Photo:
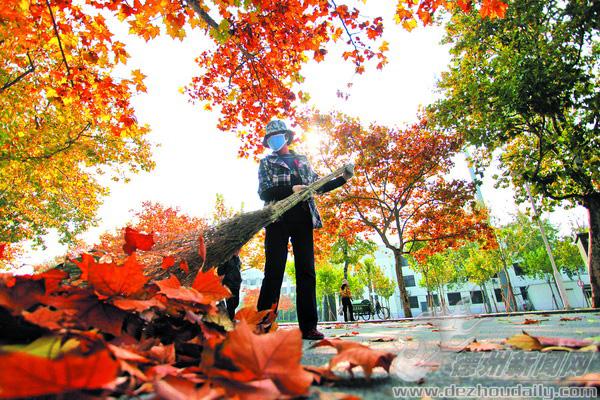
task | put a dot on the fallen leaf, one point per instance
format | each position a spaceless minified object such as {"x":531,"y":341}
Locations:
{"x":126,"y":355}
{"x":274,"y":356}
{"x":174,"y":388}
{"x":364,"y":357}
{"x":524,"y":341}
{"x":566,"y":342}
{"x":570,"y":318}
{"x":171,"y":287}
{"x":137,"y":305}
{"x":530,"y":321}
{"x":383,"y":339}
{"x":209,"y":284}
{"x":322,"y":374}
{"x":50,"y":319}
{"x":591,"y":379}
{"x":118,"y":280}
{"x":476,"y":346}
{"x":556,"y":348}
{"x":46,"y":346}
{"x":24,"y":375}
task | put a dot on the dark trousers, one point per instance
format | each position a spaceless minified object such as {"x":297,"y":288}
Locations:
{"x":347,"y":307}
{"x":277,"y":237}
{"x":232,"y":279}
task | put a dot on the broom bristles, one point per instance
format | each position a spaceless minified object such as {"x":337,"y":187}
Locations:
{"x":224,"y":239}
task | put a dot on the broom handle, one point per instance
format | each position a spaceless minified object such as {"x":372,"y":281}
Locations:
{"x":286,"y":204}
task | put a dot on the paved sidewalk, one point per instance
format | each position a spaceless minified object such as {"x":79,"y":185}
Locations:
{"x":421,"y":362}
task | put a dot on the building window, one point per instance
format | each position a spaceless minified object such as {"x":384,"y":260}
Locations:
{"x":409,"y":280}
{"x":518,"y":270}
{"x":454,"y":298}
{"x":523,"y":290}
{"x":476,"y":297}
{"x":414,"y":301}
{"x":498,"y":294}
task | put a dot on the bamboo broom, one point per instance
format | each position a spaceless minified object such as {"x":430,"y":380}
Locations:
{"x":224,"y":239}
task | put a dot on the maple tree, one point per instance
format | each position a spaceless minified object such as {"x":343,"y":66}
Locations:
{"x":162,"y":222}
{"x":65,"y":120}
{"x":399,"y":192}
{"x":69,"y":50}
{"x":523,"y":90}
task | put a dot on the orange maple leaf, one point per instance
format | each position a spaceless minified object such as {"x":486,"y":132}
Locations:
{"x":24,"y":375}
{"x":275,"y":356}
{"x":117,"y":280}
{"x":493,"y":9}
{"x":171,"y":287}
{"x":209,"y":284}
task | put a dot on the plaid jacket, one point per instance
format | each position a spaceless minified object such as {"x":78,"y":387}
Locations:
{"x":273,"y":171}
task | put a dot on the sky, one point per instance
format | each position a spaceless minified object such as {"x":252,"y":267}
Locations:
{"x":195,"y":161}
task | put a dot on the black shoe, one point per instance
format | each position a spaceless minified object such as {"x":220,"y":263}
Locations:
{"x":312,"y":334}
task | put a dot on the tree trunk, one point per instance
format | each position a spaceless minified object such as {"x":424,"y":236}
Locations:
{"x":592,"y":203}
{"x":401,"y":284}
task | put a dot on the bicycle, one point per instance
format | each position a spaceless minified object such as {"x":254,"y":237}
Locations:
{"x":365,"y":310}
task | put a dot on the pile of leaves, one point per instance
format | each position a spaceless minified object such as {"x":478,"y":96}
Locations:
{"x":114,"y":331}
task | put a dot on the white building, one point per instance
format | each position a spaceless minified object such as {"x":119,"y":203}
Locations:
{"x":530,"y":294}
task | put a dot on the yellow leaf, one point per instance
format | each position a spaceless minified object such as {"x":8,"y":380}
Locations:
{"x":410,"y":24}
{"x":524,"y":342}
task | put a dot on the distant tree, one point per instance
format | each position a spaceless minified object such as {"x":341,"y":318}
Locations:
{"x":383,"y":286}
{"x":350,"y":252}
{"x":165,"y":223}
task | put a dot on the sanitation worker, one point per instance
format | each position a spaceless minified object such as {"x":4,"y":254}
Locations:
{"x":280,"y":174}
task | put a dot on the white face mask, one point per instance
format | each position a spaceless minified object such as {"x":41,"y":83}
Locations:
{"x":276,"y":142}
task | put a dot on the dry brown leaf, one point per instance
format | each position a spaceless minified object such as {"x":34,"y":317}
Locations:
{"x":570,"y":318}
{"x":383,"y":339}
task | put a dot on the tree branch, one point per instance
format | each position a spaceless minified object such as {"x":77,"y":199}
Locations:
{"x":52,"y":153}
{"x":29,"y":70}
{"x":58,"y":38}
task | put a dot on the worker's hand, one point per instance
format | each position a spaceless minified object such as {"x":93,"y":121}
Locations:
{"x":298,"y":188}
{"x":348,"y":171}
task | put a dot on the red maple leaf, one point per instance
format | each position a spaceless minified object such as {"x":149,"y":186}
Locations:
{"x":50,"y":319}
{"x":2,"y":249}
{"x":24,"y":375}
{"x":168,"y":262}
{"x":135,"y":240}
{"x":118,"y":280}
{"x":202,"y":248}
{"x":209,"y":284}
